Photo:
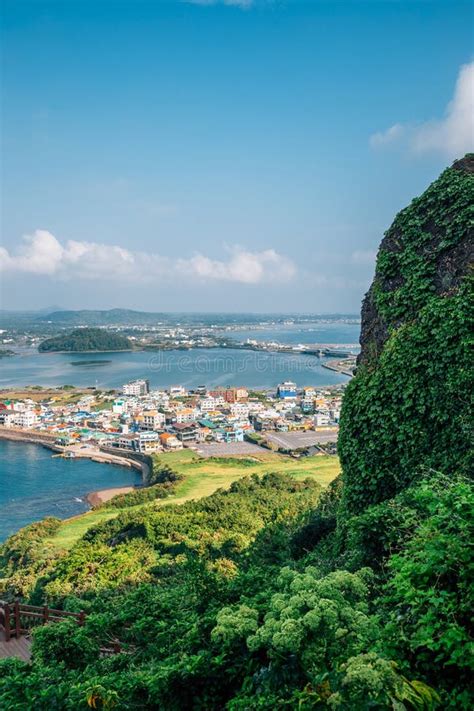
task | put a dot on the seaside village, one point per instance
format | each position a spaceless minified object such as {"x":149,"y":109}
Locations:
{"x":141,"y":420}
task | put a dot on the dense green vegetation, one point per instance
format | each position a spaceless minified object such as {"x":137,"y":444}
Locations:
{"x":276,"y":593}
{"x":409,"y":406}
{"x":86,"y":339}
{"x":229,"y":602}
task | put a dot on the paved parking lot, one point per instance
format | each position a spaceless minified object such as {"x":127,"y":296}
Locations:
{"x":223,"y":449}
{"x":300,"y":440}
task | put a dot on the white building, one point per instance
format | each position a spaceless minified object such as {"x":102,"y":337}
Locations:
{"x":7,"y":417}
{"x":160,"y":397}
{"x":177,"y":391}
{"x":208,"y":404}
{"x":136,"y":387}
{"x":25,"y":418}
{"x":118,"y":407}
{"x":239,"y":409}
{"x":153,"y":420}
{"x":321,"y":420}
{"x":186,"y":414}
{"x":256,"y":406}
{"x":139,"y":442}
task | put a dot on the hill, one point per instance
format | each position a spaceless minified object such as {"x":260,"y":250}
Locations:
{"x":86,"y":339}
{"x":275,"y":593}
{"x":129,"y":317}
{"x":110,"y":317}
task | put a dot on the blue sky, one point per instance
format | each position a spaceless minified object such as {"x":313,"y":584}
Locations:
{"x":238,"y":155}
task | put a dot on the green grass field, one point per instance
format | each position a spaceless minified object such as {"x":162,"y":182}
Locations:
{"x":202,"y":478}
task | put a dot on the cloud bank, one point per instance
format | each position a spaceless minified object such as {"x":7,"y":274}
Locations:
{"x":43,"y":254}
{"x":453,"y":135}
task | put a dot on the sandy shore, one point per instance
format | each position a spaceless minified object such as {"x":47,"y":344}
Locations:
{"x":95,"y":498}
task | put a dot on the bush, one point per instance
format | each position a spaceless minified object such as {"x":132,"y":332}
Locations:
{"x":64,"y":643}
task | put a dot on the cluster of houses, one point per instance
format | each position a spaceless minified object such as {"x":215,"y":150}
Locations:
{"x":144,"y":420}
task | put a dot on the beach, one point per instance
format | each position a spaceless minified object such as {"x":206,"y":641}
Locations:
{"x":96,"y":498}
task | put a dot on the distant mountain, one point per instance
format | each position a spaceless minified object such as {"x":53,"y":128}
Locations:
{"x":86,"y":339}
{"x":109,"y":317}
{"x":129,"y":317}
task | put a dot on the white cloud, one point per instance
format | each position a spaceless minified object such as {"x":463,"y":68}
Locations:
{"x":43,"y":254}
{"x":452,"y":135}
{"x":383,"y":138}
{"x":243,"y":266}
{"x":40,"y":254}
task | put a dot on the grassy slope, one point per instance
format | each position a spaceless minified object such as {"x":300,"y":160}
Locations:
{"x":202,"y":478}
{"x":61,"y":397}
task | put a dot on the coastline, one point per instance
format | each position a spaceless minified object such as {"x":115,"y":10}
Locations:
{"x":114,"y":350}
{"x":337,"y":366}
{"x":96,"y":498}
{"x":93,"y":498}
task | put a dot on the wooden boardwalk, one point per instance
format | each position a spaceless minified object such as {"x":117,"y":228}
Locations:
{"x":20,"y":648}
{"x":18,"y":619}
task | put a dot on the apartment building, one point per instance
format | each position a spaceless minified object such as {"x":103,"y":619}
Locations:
{"x":153,"y":420}
{"x":239,"y":409}
{"x":136,"y":387}
{"x":185,"y":414}
{"x":139,"y":442}
{"x":186,"y":431}
{"x":25,"y":418}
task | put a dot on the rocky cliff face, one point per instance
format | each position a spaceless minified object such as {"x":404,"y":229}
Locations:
{"x":408,"y":409}
{"x":435,"y":231}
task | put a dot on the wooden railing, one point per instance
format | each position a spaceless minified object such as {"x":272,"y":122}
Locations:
{"x":17,"y":619}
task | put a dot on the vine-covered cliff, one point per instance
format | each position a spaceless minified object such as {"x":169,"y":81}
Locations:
{"x":408,"y":408}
